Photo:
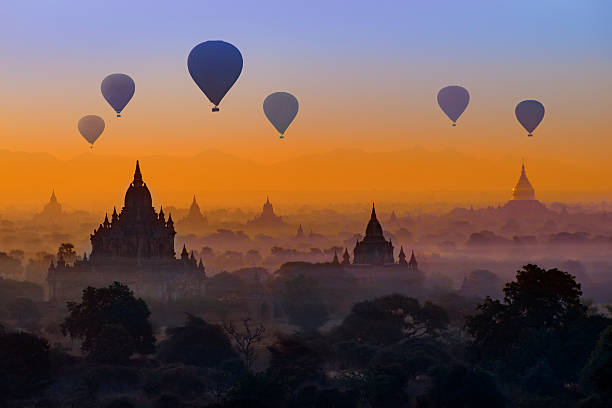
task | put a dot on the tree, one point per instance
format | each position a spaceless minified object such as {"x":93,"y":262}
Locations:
{"x":196,"y":343}
{"x":302,"y":303}
{"x":67,"y":253}
{"x":538,"y":301}
{"x":597,"y":374}
{"x":113,"y":345}
{"x":114,"y":305}
{"x":24,"y":363}
{"x":25,"y":313}
{"x":245,"y":340}
{"x":389,"y":319}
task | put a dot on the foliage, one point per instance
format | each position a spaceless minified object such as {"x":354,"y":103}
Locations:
{"x":197,"y":343}
{"x":597,"y":374}
{"x":389,"y":319}
{"x":245,"y":340}
{"x":24,"y":363}
{"x":538,"y":299}
{"x":302,"y":302}
{"x":298,"y":358}
{"x":113,"y":345}
{"x":114,"y":305}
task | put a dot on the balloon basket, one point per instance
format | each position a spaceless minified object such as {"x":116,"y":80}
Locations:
{"x":454,"y":124}
{"x":530,"y":134}
{"x":282,"y":136}
{"x":118,"y":115}
{"x":215,"y":109}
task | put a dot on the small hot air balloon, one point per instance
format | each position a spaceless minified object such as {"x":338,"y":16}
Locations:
{"x":118,"y":89}
{"x":529,"y":114}
{"x":214,"y":66}
{"x":280,"y":109}
{"x":453,"y":100}
{"x":91,"y":127}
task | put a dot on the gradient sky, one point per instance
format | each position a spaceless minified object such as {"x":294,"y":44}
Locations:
{"x":366,"y":75}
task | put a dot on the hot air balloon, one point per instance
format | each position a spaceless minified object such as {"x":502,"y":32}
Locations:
{"x":118,"y":89}
{"x":453,"y":100}
{"x":91,"y":127}
{"x":280,"y":109}
{"x":529,"y":114}
{"x":214,"y":66}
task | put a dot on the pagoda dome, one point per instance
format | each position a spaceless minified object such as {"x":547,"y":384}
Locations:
{"x":138,"y":194}
{"x":523,"y":189}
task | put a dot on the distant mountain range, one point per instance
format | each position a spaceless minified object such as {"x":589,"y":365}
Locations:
{"x":348,"y":175}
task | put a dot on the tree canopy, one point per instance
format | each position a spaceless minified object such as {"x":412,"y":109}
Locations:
{"x":114,"y":306}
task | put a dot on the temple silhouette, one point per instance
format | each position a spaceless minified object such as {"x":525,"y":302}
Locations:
{"x":51,"y":212}
{"x":135,"y":247}
{"x":267,"y":219}
{"x":374,"y":249}
{"x":523,"y":201}
{"x":194,"y":221}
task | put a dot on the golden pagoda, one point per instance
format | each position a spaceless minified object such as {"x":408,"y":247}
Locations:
{"x":523,"y":189}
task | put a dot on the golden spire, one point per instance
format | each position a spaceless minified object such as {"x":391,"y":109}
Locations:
{"x":523,"y":189}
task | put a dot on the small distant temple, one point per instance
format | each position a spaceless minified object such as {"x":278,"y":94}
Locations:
{"x":52,"y":211}
{"x":523,"y":200}
{"x":374,"y":249}
{"x":267,"y":219}
{"x":135,"y":247}
{"x":374,"y":265}
{"x":523,"y":189}
{"x":194,"y":220}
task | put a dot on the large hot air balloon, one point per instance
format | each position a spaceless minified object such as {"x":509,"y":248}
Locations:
{"x":529,"y":113}
{"x":214,"y":66}
{"x":118,"y":89}
{"x":280,"y":109}
{"x":453,"y":100}
{"x":91,"y":127}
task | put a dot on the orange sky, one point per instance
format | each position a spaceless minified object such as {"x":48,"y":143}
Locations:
{"x":361,"y":85}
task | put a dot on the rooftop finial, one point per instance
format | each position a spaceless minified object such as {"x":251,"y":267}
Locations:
{"x":137,"y":175}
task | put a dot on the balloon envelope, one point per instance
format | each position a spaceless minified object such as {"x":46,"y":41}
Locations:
{"x":280,"y":109}
{"x":91,"y":127}
{"x":214,"y":66}
{"x":118,"y":89}
{"x":529,"y":114}
{"x":453,"y":100}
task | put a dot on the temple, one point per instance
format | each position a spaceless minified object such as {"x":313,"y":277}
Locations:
{"x":52,"y":211}
{"x":523,"y":189}
{"x":523,"y":201}
{"x":374,"y":249}
{"x":267,"y":219}
{"x":195,"y":220}
{"x":136,"y":247}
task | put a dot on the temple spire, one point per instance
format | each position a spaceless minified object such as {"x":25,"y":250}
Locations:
{"x":335,"y":261}
{"x":137,"y":175}
{"x":53,"y":199}
{"x":373,"y":216}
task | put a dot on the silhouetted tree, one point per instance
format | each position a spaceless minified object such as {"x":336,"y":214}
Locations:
{"x":388,"y":319}
{"x":66,"y":251}
{"x":597,"y":374}
{"x":25,"y":313}
{"x":245,"y":340}
{"x":297,"y":358}
{"x":196,"y":343}
{"x":114,"y":344}
{"x":303,"y":304}
{"x":114,"y":305}
{"x":538,"y":299}
{"x":24,"y":364}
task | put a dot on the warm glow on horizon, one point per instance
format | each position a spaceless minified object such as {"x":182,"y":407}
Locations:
{"x":362,"y":91}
